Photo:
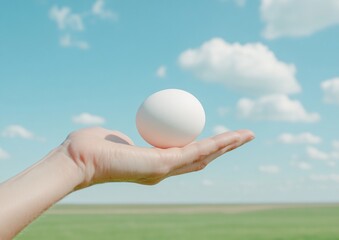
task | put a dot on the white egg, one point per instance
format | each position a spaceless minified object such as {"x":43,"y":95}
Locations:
{"x":170,"y":118}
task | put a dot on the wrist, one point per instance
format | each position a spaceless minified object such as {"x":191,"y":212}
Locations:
{"x":70,"y":169}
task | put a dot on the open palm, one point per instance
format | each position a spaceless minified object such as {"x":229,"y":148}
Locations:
{"x":110,"y":156}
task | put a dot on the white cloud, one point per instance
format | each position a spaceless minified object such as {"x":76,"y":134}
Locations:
{"x":250,"y":68}
{"x":218,"y":129}
{"x":98,"y":9}
{"x":303,"y":165}
{"x":68,"y":41}
{"x":270,"y":169}
{"x":334,"y":153}
{"x":161,"y":72}
{"x":276,"y":107}
{"x":65,"y":19}
{"x":335,"y":144}
{"x":4,"y":154}
{"x":69,"y":22}
{"x":13,"y":131}
{"x":315,"y":153}
{"x":325,"y":177}
{"x":331,"y":90}
{"x":330,"y":158}
{"x":302,"y":138}
{"x":297,"y":18}
{"x":88,"y":119}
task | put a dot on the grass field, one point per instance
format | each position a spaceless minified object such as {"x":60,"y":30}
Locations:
{"x":250,"y":222}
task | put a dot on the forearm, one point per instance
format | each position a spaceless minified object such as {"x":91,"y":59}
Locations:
{"x":24,"y":197}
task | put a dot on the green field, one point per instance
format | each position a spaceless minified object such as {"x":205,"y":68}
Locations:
{"x":250,"y":222}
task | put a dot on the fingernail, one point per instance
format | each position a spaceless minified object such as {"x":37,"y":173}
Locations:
{"x":252,"y":136}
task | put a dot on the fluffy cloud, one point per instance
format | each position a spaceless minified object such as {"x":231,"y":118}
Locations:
{"x":161,"y":72}
{"x":331,"y":90}
{"x":250,"y":68}
{"x":69,"y":22}
{"x":99,"y":9}
{"x":65,"y":19}
{"x":68,"y":41}
{"x":297,"y":18}
{"x":218,"y":129}
{"x":4,"y":154}
{"x":330,"y":158}
{"x":302,"y":165}
{"x":88,"y":119}
{"x":335,"y":144}
{"x":315,"y":153}
{"x":276,"y":107}
{"x":302,"y":138}
{"x":270,"y":169}
{"x":13,"y":131}
{"x":325,"y":177}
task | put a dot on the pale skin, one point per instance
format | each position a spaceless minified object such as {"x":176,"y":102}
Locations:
{"x":97,"y":155}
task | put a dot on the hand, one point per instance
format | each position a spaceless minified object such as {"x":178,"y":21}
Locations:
{"x":110,"y":156}
{"x":96,"y":155}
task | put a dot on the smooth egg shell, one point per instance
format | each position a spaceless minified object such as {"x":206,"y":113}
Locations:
{"x":170,"y":118}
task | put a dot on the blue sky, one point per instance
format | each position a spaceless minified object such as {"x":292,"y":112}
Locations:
{"x":268,"y":66}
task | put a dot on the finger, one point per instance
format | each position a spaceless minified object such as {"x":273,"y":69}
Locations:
{"x":201,"y":164}
{"x":194,"y":152}
{"x":167,"y":162}
{"x":202,"y":161}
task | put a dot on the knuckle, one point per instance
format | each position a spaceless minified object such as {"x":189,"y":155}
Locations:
{"x":201,"y":166}
{"x":237,"y":138}
{"x":164,"y":170}
{"x":161,"y":172}
{"x":150,"y":181}
{"x":198,"y":159}
{"x":231,"y":147}
{"x":155,"y":181}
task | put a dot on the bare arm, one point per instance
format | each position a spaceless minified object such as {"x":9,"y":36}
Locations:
{"x":30,"y":193}
{"x":97,"y":155}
